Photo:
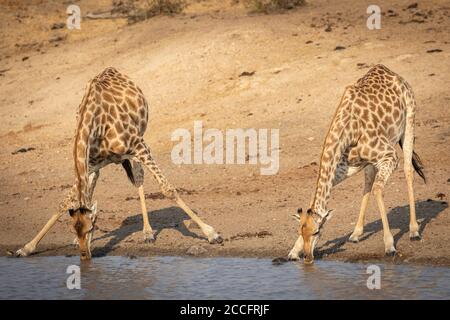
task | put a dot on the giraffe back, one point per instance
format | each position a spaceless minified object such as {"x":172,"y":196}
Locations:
{"x":112,"y":119}
{"x":115,"y":112}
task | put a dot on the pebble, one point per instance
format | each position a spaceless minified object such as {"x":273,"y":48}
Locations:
{"x":196,"y":250}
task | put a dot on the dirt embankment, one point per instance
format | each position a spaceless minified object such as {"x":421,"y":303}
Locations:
{"x":218,"y":64}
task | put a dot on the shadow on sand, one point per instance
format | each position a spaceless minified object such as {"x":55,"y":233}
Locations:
{"x":167,"y":218}
{"x":398,"y":219}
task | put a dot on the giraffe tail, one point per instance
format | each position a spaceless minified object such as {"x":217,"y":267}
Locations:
{"x":417,"y":163}
{"x":126,"y":164}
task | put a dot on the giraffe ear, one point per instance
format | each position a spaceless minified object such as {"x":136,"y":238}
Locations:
{"x":94,"y":207}
{"x":309,"y":211}
{"x":328,"y":215}
{"x":71,"y":212}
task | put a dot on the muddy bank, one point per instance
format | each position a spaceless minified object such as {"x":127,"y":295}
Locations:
{"x":229,"y":70}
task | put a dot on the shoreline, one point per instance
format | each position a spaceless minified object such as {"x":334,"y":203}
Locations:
{"x":141,"y":251}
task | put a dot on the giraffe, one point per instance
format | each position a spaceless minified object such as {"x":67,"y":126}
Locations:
{"x":111,"y":122}
{"x":372,"y":117}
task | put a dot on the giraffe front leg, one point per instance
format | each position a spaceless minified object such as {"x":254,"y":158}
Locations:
{"x":30,"y":247}
{"x":294,"y":254}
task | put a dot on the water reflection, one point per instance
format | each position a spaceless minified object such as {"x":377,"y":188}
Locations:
{"x":214,"y":278}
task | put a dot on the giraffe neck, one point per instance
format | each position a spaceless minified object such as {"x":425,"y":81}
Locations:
{"x":336,"y":142}
{"x":81,"y":151}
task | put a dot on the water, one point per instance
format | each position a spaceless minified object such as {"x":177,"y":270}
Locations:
{"x":214,"y":278}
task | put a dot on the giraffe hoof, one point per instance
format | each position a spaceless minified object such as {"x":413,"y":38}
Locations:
{"x":293,"y":257}
{"x":353,"y":239}
{"x":415,"y":236}
{"x":216,"y":240}
{"x":391,"y":253}
{"x":149,"y":238}
{"x":20,"y":253}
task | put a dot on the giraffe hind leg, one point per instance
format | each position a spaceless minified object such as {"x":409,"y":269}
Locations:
{"x":385,"y":166}
{"x":135,"y":174}
{"x":143,"y":155}
{"x":407,"y":146}
{"x":369,"y":177}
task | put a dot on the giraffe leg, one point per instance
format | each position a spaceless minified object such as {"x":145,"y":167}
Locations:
{"x":294,"y":254}
{"x":135,"y":173}
{"x":408,"y":144}
{"x":30,"y":247}
{"x":384,"y":169}
{"x":369,"y":177}
{"x":148,"y":231}
{"x":93,"y":178}
{"x":143,"y":155}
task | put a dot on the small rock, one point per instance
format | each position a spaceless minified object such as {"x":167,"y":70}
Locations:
{"x":440,"y":195}
{"x":412,"y":6}
{"x":25,"y":58}
{"x":391,"y":13}
{"x":22,"y":150}
{"x":247,"y":74}
{"x":279,"y":261}
{"x":339,"y":48}
{"x":58,"y":26}
{"x":328,"y":29}
{"x":196,"y":250}
{"x":26,"y":198}
{"x":362,"y":65}
{"x":434,"y":50}
{"x":310,"y":139}
{"x":56,"y":39}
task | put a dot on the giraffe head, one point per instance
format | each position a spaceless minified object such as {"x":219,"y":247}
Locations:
{"x":310,"y":225}
{"x":83,"y":223}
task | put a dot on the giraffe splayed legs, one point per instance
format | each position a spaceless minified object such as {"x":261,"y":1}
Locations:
{"x":374,"y":115}
{"x":111,"y":122}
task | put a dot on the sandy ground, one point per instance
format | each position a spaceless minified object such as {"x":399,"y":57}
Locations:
{"x":188,"y":67}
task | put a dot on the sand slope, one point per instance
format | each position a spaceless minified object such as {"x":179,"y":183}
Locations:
{"x":188,"y":67}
